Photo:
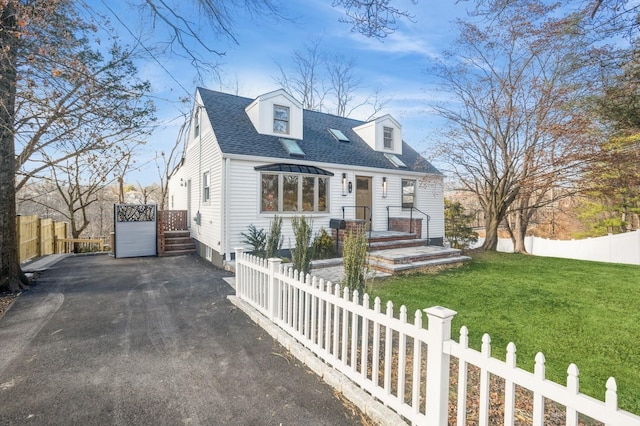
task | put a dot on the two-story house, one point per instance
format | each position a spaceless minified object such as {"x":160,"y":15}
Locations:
{"x":249,"y":159}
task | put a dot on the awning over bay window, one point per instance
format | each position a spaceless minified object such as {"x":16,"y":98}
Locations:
{"x":293,"y":168}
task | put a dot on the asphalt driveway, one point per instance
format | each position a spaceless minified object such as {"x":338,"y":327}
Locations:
{"x":149,"y":341}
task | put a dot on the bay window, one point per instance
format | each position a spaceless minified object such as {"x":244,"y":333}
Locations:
{"x":293,"y":193}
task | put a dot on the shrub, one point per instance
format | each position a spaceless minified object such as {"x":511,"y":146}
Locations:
{"x":323,"y":245}
{"x":354,"y":255}
{"x":301,"y":254}
{"x":457,"y":228}
{"x":256,"y":238}
{"x":274,"y":238}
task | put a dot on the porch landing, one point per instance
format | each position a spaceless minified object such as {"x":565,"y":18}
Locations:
{"x":393,"y":252}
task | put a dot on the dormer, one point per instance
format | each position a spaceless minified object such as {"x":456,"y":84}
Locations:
{"x":277,"y":114}
{"x":383,"y":134}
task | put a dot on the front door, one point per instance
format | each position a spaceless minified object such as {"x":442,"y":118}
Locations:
{"x":363,"y":200}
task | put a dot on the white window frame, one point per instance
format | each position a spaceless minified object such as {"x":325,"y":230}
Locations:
{"x":278,"y":120}
{"x":206,"y":187}
{"x":280,"y":196}
{"x":196,"y":123}
{"x":387,"y":142}
{"x":413,"y":203}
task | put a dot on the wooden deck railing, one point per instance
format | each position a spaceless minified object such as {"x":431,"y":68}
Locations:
{"x":79,"y":245}
{"x":172,"y":220}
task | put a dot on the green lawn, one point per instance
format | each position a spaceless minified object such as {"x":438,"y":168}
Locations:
{"x":587,"y":313}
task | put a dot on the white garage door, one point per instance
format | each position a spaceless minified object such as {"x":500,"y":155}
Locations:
{"x":136,"y":230}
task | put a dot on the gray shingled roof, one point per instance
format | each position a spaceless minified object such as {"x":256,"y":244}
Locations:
{"x":236,"y":135}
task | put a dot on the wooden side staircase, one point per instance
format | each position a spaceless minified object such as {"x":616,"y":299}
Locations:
{"x":174,"y":238}
{"x":176,"y":243}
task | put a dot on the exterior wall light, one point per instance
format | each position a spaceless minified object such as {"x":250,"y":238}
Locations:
{"x":384,"y":187}
{"x":344,"y":184}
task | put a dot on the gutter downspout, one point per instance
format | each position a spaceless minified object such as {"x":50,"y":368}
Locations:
{"x":225,"y":210}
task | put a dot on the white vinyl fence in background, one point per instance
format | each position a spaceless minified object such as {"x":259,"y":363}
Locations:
{"x":401,"y":363}
{"x":618,"y":248}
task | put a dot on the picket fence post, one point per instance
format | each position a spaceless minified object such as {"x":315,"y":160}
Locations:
{"x":239,"y":273}
{"x":274,"y":288}
{"x":439,"y":331}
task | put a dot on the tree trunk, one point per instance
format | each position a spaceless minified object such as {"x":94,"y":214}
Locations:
{"x":11,"y":277}
{"x":519,"y":231}
{"x":491,"y":232}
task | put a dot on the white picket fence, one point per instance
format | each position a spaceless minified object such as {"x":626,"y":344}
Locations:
{"x":402,"y":364}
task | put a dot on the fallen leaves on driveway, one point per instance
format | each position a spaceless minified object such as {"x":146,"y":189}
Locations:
{"x":6,"y":299}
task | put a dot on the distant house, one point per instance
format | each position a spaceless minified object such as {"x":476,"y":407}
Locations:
{"x":249,"y":159}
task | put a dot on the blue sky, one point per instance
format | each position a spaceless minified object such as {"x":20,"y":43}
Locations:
{"x":398,"y":65}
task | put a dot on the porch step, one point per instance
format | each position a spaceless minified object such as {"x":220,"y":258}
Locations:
{"x":385,"y":236}
{"x":176,"y":252}
{"x":412,"y":254}
{"x":177,"y":234}
{"x":386,"y":244}
{"x":177,"y":243}
{"x":400,"y":268}
{"x":413,"y":258}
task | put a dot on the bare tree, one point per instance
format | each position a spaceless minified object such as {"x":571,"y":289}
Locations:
{"x":304,"y":79}
{"x":80,"y":180}
{"x":344,"y":82}
{"x":61,"y":89}
{"x":88,"y":98}
{"x":11,"y":277}
{"x":373,"y":18}
{"x":515,"y":130}
{"x":320,"y":80}
{"x":166,"y":163}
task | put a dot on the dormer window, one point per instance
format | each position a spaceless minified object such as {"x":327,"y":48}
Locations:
{"x":277,"y":114}
{"x":388,"y":137}
{"x":281,"y":119}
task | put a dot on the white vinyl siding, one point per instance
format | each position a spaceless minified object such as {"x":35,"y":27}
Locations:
{"x":209,"y":232}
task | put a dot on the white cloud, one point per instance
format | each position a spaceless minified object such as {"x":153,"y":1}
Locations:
{"x":398,"y":43}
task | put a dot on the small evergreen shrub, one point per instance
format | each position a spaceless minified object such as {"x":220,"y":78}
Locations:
{"x":323,"y":245}
{"x":301,"y":254}
{"x":457,"y":226}
{"x":354,"y":255}
{"x":256,"y":238}
{"x":274,"y":237}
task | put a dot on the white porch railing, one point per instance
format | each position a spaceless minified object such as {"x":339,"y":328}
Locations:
{"x":402,"y":364}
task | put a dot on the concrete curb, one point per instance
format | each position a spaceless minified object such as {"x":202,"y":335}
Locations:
{"x":376,"y":411}
{"x":43,"y":263}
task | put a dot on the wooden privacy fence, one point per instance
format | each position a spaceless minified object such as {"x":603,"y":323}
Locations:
{"x":404,"y":365}
{"x":40,"y":237}
{"x":37,"y":237}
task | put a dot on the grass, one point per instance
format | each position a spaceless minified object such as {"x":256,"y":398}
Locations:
{"x":587,"y":313}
